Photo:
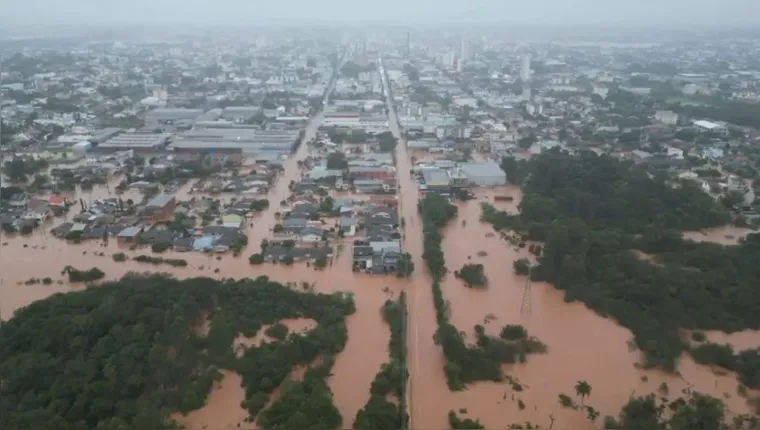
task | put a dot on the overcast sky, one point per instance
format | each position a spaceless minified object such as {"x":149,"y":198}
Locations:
{"x":530,"y":13}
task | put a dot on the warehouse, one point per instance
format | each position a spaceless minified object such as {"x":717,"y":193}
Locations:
{"x":162,"y":116}
{"x":139,"y":142}
{"x":487,"y":174}
{"x":236,"y":141}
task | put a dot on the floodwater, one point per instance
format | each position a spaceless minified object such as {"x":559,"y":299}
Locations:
{"x":295,"y":325}
{"x":222,"y":410}
{"x":727,"y":235}
{"x":582,"y":345}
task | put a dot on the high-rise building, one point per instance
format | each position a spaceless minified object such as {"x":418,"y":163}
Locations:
{"x":525,"y":69}
{"x":408,"y":48}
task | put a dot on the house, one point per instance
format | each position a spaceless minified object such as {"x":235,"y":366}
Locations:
{"x":280,"y":253}
{"x":160,"y":207}
{"x":232,"y":220}
{"x":304,"y":210}
{"x":368,"y":172}
{"x":383,"y":247}
{"x":342,"y":202}
{"x":436,"y":180}
{"x":129,"y":234}
{"x":381,"y":216}
{"x":381,"y":233}
{"x":362,"y":256}
{"x":183,"y":244}
{"x":369,"y":186}
{"x":158,"y":237}
{"x":56,"y":201}
{"x":310,"y":235}
{"x":347,"y":224}
{"x":293,"y":225}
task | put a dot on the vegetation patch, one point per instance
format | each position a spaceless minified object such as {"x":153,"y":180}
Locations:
{"x":463,"y":423}
{"x":76,"y":275}
{"x":131,"y":348}
{"x":379,"y":413}
{"x":176,"y":262}
{"x":746,"y":363}
{"x":473,"y":275}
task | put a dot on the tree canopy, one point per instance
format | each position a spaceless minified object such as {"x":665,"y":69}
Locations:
{"x":127,"y":354}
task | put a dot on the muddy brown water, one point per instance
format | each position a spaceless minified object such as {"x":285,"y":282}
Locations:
{"x":582,"y":345}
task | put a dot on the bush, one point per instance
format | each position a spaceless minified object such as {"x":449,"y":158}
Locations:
{"x":698,"y":336}
{"x":472,"y":275}
{"x":513,"y":332}
{"x":565,"y":401}
{"x":277,"y":331}
{"x":522,"y":266}
{"x":47,"y":281}
{"x":159,"y":247}
{"x":26,"y":229}
{"x":256,"y":259}
{"x":120,"y":257}
{"x":83,"y":275}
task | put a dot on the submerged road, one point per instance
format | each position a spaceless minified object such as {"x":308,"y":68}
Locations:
{"x":419,"y":289}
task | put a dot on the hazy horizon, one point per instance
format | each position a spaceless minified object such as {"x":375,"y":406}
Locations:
{"x":26,"y":14}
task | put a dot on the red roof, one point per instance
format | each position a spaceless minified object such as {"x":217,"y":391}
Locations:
{"x":57,"y":200}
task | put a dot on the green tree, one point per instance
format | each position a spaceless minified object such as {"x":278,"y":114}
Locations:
{"x":582,"y":389}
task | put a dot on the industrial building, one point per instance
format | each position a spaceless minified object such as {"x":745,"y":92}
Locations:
{"x":173,"y":116}
{"x":246,"y":141}
{"x":488,"y":174}
{"x":139,"y":142}
{"x":703,"y":126}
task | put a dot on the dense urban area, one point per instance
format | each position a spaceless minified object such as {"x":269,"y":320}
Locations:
{"x":391,"y":230}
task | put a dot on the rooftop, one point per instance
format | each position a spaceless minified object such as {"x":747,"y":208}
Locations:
{"x":136,"y":140}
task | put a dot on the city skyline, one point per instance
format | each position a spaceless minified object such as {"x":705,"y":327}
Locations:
{"x":678,"y":13}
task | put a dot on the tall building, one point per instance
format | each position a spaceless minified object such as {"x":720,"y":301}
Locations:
{"x":407,"y":51}
{"x":525,"y":69}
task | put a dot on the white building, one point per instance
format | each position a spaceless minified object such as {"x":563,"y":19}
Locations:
{"x":666,"y":117}
{"x":703,"y":126}
{"x":525,"y":69}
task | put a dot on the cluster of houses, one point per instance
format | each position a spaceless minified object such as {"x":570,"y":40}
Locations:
{"x":163,"y":223}
{"x":364,"y":173}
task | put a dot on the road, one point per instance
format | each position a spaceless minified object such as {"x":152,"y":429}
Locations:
{"x":419,"y":291}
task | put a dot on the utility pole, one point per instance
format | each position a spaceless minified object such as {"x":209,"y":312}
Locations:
{"x":525,"y":307}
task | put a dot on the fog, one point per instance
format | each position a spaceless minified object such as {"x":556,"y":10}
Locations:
{"x":681,"y":13}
